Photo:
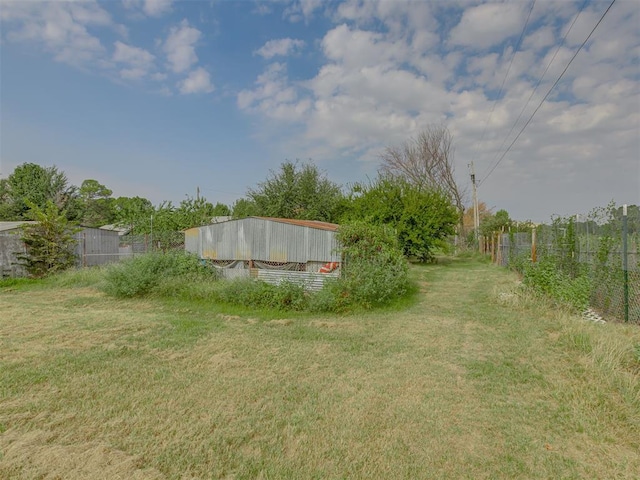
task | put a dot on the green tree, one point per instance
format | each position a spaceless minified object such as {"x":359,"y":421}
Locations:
{"x":427,"y":161}
{"x":50,"y":242}
{"x":495,"y":223}
{"x":133,"y":212}
{"x":96,"y":204}
{"x":221,"y":210}
{"x":194,"y":212}
{"x":297,"y":191}
{"x":32,"y":184}
{"x":244,"y":208}
{"x":422,"y":217}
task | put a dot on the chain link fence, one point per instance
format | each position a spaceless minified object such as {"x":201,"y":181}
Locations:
{"x":591,"y":247}
{"x":91,"y":252}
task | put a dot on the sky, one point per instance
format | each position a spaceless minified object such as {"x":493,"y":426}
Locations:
{"x":159,"y":98}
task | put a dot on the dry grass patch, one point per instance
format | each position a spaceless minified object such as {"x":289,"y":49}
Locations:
{"x":460,"y":385}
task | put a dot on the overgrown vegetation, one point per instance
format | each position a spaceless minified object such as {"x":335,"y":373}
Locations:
{"x":545,"y":277}
{"x":474,"y":380}
{"x":375,"y":274}
{"x":49,"y":242}
{"x":155,"y":273}
{"x":421,"y":216}
{"x":580,"y":263}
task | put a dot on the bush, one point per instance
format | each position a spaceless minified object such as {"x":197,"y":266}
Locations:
{"x":374,"y":272}
{"x":545,"y":277}
{"x":141,"y":275}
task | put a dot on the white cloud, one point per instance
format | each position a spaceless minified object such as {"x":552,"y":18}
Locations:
{"x":151,"y":8}
{"x":362,"y":48}
{"x":488,"y":24}
{"x":401,"y":19}
{"x":281,"y":47}
{"x":541,"y":38}
{"x":156,"y":8}
{"x":302,"y":10}
{"x":273,"y":96}
{"x":139,"y":61}
{"x":198,"y":81}
{"x":61,"y":28}
{"x":180,"y":47}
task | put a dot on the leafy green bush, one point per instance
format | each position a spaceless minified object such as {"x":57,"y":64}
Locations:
{"x":571,"y":289}
{"x":374,"y":272}
{"x":141,"y":275}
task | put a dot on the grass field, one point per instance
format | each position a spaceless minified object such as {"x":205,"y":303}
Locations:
{"x":470,"y":381}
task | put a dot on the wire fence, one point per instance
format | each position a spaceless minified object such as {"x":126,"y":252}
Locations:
{"x":605,"y":254}
{"x":126,"y":246}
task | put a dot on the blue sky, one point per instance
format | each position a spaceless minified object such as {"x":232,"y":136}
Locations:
{"x":158,"y":97}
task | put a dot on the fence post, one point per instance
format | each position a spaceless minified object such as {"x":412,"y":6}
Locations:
{"x":625,"y":266}
{"x":534,"y":253}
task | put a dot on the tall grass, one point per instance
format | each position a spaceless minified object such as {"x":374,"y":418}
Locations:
{"x":364,"y":284}
{"x":478,"y":379}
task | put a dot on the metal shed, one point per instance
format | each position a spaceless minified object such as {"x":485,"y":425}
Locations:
{"x":97,"y":246}
{"x":266,"y":248}
{"x":94,"y":247}
{"x":11,"y":246}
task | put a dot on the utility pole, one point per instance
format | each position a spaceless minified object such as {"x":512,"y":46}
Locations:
{"x":198,"y":193}
{"x":476,"y":214}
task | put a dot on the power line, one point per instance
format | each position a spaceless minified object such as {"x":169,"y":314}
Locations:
{"x":504,"y":80}
{"x":535,"y":89}
{"x":545,"y":97}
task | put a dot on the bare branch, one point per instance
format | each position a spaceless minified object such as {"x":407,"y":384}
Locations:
{"x":426,"y":161}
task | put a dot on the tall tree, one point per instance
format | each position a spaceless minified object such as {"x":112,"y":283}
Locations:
{"x":495,"y":223}
{"x":298,"y":191}
{"x":221,"y":210}
{"x":31,"y":183}
{"x":96,"y":203}
{"x":422,"y":217}
{"x":426,"y":161}
{"x":243,"y":208}
{"x":133,"y":212}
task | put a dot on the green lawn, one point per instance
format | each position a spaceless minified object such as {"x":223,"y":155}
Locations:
{"x":474,"y":380}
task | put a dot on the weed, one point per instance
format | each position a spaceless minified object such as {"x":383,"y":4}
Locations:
{"x":141,"y":275}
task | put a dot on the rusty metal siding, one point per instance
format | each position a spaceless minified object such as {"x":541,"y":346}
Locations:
{"x":192,"y":240}
{"x":261,"y":239}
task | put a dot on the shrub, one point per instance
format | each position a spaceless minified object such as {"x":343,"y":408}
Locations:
{"x":49,"y":242}
{"x":141,"y":275}
{"x":573,"y":289}
{"x":374,"y":271}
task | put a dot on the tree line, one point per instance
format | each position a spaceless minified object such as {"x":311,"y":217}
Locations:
{"x":414,"y":193}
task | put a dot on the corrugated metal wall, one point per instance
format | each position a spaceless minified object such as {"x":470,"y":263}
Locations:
{"x":97,"y":247}
{"x":261,"y":239}
{"x":11,"y":246}
{"x":311,"y":281}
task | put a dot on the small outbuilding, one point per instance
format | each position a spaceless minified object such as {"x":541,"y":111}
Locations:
{"x":94,"y":246}
{"x":97,"y":246}
{"x":271,"y":249}
{"x":11,"y":247}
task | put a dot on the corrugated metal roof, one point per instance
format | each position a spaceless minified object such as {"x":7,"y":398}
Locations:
{"x":332,"y":227}
{"x":121,"y":230}
{"x":7,"y":226}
